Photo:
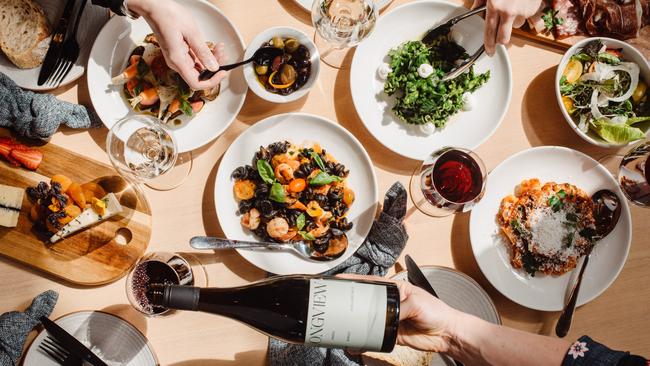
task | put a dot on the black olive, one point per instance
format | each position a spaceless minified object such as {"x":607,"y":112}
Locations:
{"x":302,"y":53}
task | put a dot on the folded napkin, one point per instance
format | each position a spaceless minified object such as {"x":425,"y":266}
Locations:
{"x":385,"y":242}
{"x":15,"y":326}
{"x":38,"y":116}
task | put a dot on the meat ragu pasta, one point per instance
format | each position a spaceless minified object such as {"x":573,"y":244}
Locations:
{"x":548,"y":227}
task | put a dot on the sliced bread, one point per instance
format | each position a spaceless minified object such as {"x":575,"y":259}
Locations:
{"x":24,"y":32}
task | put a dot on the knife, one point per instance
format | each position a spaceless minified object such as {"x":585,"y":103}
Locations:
{"x":58,"y":36}
{"x":71,"y":343}
{"x":417,"y":278}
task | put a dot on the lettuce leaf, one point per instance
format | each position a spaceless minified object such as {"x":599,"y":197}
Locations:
{"x":617,"y":133}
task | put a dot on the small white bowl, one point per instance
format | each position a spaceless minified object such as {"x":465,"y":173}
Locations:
{"x":264,"y":37}
{"x":630,"y":54}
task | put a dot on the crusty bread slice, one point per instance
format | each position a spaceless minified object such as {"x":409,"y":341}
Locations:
{"x":403,"y":356}
{"x":24,"y":32}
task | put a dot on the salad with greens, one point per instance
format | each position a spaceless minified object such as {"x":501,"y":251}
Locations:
{"x":415,"y":78}
{"x":605,"y":94}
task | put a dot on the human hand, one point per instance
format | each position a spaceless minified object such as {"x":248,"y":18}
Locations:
{"x":425,"y":321}
{"x":503,"y":15}
{"x":182,"y":43}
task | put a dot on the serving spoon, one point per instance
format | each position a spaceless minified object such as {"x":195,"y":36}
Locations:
{"x":260,"y":57}
{"x":301,"y":248}
{"x":607,"y":211}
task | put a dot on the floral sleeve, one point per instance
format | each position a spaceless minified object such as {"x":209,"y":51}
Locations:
{"x":585,"y":351}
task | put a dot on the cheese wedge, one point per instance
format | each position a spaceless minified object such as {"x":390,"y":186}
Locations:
{"x":11,"y":200}
{"x":89,"y":217}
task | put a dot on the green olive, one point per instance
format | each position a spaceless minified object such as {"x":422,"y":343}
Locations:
{"x":291,"y":44}
{"x":277,"y":42}
{"x":288,"y":75}
{"x":261,"y":69}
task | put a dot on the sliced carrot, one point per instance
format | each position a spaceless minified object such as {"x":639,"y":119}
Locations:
{"x":174,"y":106}
{"x":197,"y":106}
{"x":148,"y":96}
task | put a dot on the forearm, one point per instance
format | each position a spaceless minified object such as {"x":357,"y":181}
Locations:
{"x":477,"y":342}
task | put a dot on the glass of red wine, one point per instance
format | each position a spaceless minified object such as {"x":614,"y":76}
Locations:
{"x":451,"y":180}
{"x":632,"y":171}
{"x":161,"y":268}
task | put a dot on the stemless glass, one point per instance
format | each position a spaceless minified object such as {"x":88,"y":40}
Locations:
{"x":451,"y":180}
{"x":143,"y":150}
{"x":162,"y":268}
{"x":632,"y":171}
{"x":341,"y":24}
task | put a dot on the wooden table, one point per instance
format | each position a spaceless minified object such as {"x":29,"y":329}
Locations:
{"x":619,"y":317}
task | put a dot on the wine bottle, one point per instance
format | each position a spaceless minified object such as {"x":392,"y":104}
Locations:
{"x":315,"y":311}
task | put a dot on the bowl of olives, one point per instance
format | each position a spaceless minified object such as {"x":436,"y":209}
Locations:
{"x":284,"y":76}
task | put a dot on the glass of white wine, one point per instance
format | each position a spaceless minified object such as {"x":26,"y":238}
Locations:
{"x":341,"y":25}
{"x":142,"y":150}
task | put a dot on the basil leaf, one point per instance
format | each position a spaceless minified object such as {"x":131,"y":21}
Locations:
{"x":306,"y":236}
{"x":277,"y":193}
{"x":300,"y":221}
{"x":265,"y":171}
{"x":185,"y":107}
{"x":323,"y":178}
{"x":561,"y":193}
{"x":318,"y":160}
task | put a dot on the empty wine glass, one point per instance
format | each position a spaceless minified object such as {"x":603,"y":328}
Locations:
{"x":143,"y":150}
{"x":451,"y":180}
{"x":161,"y":268}
{"x":632,"y":171}
{"x":341,"y":24}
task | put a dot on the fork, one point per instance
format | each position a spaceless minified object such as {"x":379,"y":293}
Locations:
{"x":58,"y":353}
{"x":69,"y":52}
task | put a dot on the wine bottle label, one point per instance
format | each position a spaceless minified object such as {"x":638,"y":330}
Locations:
{"x":346,"y":314}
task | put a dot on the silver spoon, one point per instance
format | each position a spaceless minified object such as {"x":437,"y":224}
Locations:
{"x":607,"y":211}
{"x":444,"y":28}
{"x":336,"y":248}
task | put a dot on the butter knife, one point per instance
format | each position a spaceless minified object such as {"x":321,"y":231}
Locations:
{"x":71,"y":343}
{"x":58,"y":36}
{"x":417,"y":278}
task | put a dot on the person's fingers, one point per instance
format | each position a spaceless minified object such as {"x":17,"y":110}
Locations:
{"x":491,"y":25}
{"x":201,"y":50}
{"x":505,"y":29}
{"x":519,"y":21}
{"x":477,"y":3}
{"x":220,"y":53}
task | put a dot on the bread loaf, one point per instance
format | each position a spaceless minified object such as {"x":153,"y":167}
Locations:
{"x":402,"y":356}
{"x":24,"y":32}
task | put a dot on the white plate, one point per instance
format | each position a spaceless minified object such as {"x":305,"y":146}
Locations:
{"x":121,"y":35}
{"x":298,"y":128}
{"x":548,"y":293}
{"x":460,"y":292}
{"x":110,"y":338}
{"x":465,"y":129}
{"x":93,"y":18}
{"x":306,"y":4}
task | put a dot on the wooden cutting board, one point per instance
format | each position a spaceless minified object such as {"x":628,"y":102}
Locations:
{"x":95,"y":256}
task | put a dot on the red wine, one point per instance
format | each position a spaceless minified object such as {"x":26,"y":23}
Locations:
{"x":146,"y":273}
{"x":634,"y":174}
{"x":315,"y":311}
{"x":457,"y":177}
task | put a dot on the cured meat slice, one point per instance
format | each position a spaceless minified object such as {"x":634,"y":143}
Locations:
{"x":568,"y":12}
{"x":618,"y":19}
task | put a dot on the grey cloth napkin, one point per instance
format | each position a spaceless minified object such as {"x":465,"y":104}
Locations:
{"x":38,"y":116}
{"x":384,"y":244}
{"x":15,"y":326}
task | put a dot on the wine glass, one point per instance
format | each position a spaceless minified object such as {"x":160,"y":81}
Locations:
{"x":341,"y":24}
{"x":161,"y":268}
{"x":632,"y":171}
{"x":143,"y":150}
{"x":451,"y":180}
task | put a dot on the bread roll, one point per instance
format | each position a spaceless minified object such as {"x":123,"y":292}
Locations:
{"x":24,"y":32}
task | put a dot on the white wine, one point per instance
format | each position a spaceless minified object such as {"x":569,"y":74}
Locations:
{"x":344,"y":23}
{"x":315,"y":311}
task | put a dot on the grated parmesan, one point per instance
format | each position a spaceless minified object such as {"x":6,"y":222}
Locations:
{"x":549,"y":233}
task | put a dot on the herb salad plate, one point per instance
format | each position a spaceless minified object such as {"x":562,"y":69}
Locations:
{"x":547,"y":292}
{"x":466,"y":129}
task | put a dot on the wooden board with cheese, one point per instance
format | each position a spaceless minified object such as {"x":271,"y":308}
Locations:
{"x":98,"y":249}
